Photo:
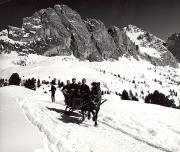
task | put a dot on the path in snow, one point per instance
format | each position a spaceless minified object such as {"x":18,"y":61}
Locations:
{"x":123,"y":126}
{"x":66,"y":133}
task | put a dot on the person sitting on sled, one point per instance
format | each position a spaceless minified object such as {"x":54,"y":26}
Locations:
{"x":73,"y":91}
{"x":66,"y":93}
{"x":84,"y":91}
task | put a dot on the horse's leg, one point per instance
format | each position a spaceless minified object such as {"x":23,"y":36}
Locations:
{"x":89,"y":112}
{"x":83,"y":115}
{"x":93,"y":113}
{"x":96,"y":116}
{"x":66,"y":108}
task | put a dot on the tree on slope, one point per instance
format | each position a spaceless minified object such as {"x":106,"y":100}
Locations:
{"x":14,"y":79}
{"x":159,"y":99}
{"x":125,"y":95}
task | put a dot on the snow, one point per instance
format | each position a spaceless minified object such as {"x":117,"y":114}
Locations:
{"x":123,"y":125}
{"x":153,"y":48}
{"x":32,"y":25}
{"x":4,"y":32}
{"x":133,"y":35}
{"x":6,"y":39}
{"x":67,"y":67}
{"x":17,"y":134}
{"x":37,"y":26}
{"x":34,"y":32}
{"x":150,"y":51}
{"x":12,"y":59}
{"x":26,"y":35}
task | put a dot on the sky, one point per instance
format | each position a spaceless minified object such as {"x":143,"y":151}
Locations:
{"x":160,"y":17}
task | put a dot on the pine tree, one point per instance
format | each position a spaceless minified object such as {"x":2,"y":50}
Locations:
{"x":125,"y":95}
{"x":14,"y":79}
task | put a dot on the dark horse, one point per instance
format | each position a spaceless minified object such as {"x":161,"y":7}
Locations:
{"x":90,"y":104}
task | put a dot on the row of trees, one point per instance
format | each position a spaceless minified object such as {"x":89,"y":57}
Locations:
{"x":160,"y":99}
{"x":3,"y":82}
{"x":128,"y":96}
{"x":153,"y":98}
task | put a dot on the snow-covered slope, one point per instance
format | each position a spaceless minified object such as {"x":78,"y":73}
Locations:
{"x":123,"y":125}
{"x":147,"y":42}
{"x":17,"y":133}
{"x":140,"y":77}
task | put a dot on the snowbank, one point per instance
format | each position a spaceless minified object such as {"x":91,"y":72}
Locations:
{"x":17,"y":134}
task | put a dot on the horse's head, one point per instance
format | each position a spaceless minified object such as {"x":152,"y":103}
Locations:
{"x":96,"y":91}
{"x":95,"y":87}
{"x":95,"y":84}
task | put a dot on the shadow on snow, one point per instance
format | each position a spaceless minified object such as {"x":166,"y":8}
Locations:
{"x":68,"y":116}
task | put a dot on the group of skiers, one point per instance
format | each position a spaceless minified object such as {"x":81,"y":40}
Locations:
{"x":73,"y":90}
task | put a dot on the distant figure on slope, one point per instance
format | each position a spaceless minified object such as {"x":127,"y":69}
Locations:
{"x":53,"y":91}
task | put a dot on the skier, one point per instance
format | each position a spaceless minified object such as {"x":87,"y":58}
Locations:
{"x":53,"y":91}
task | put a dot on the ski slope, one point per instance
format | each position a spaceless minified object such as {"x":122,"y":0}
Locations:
{"x":122,"y":125}
{"x":115,"y":76}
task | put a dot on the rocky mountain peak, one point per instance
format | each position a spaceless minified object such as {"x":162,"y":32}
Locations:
{"x":173,"y":44}
{"x":61,"y":31}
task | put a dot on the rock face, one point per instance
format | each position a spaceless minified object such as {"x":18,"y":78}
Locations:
{"x":104,"y":43}
{"x":124,"y":44}
{"x":61,"y":31}
{"x":150,"y":47}
{"x":173,"y":44}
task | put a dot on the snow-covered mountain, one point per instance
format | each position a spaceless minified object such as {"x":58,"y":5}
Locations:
{"x":173,"y":44}
{"x":123,"y":125}
{"x":57,"y":43}
{"x":62,"y":31}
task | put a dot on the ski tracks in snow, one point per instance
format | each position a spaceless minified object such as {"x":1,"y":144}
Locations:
{"x":67,"y":133}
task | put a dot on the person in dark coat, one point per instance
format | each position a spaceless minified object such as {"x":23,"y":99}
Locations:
{"x":53,"y":91}
{"x":85,"y":91}
{"x":79,"y":87}
{"x":66,"y":87}
{"x":66,"y":92}
{"x":73,"y":91}
{"x":73,"y":88}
